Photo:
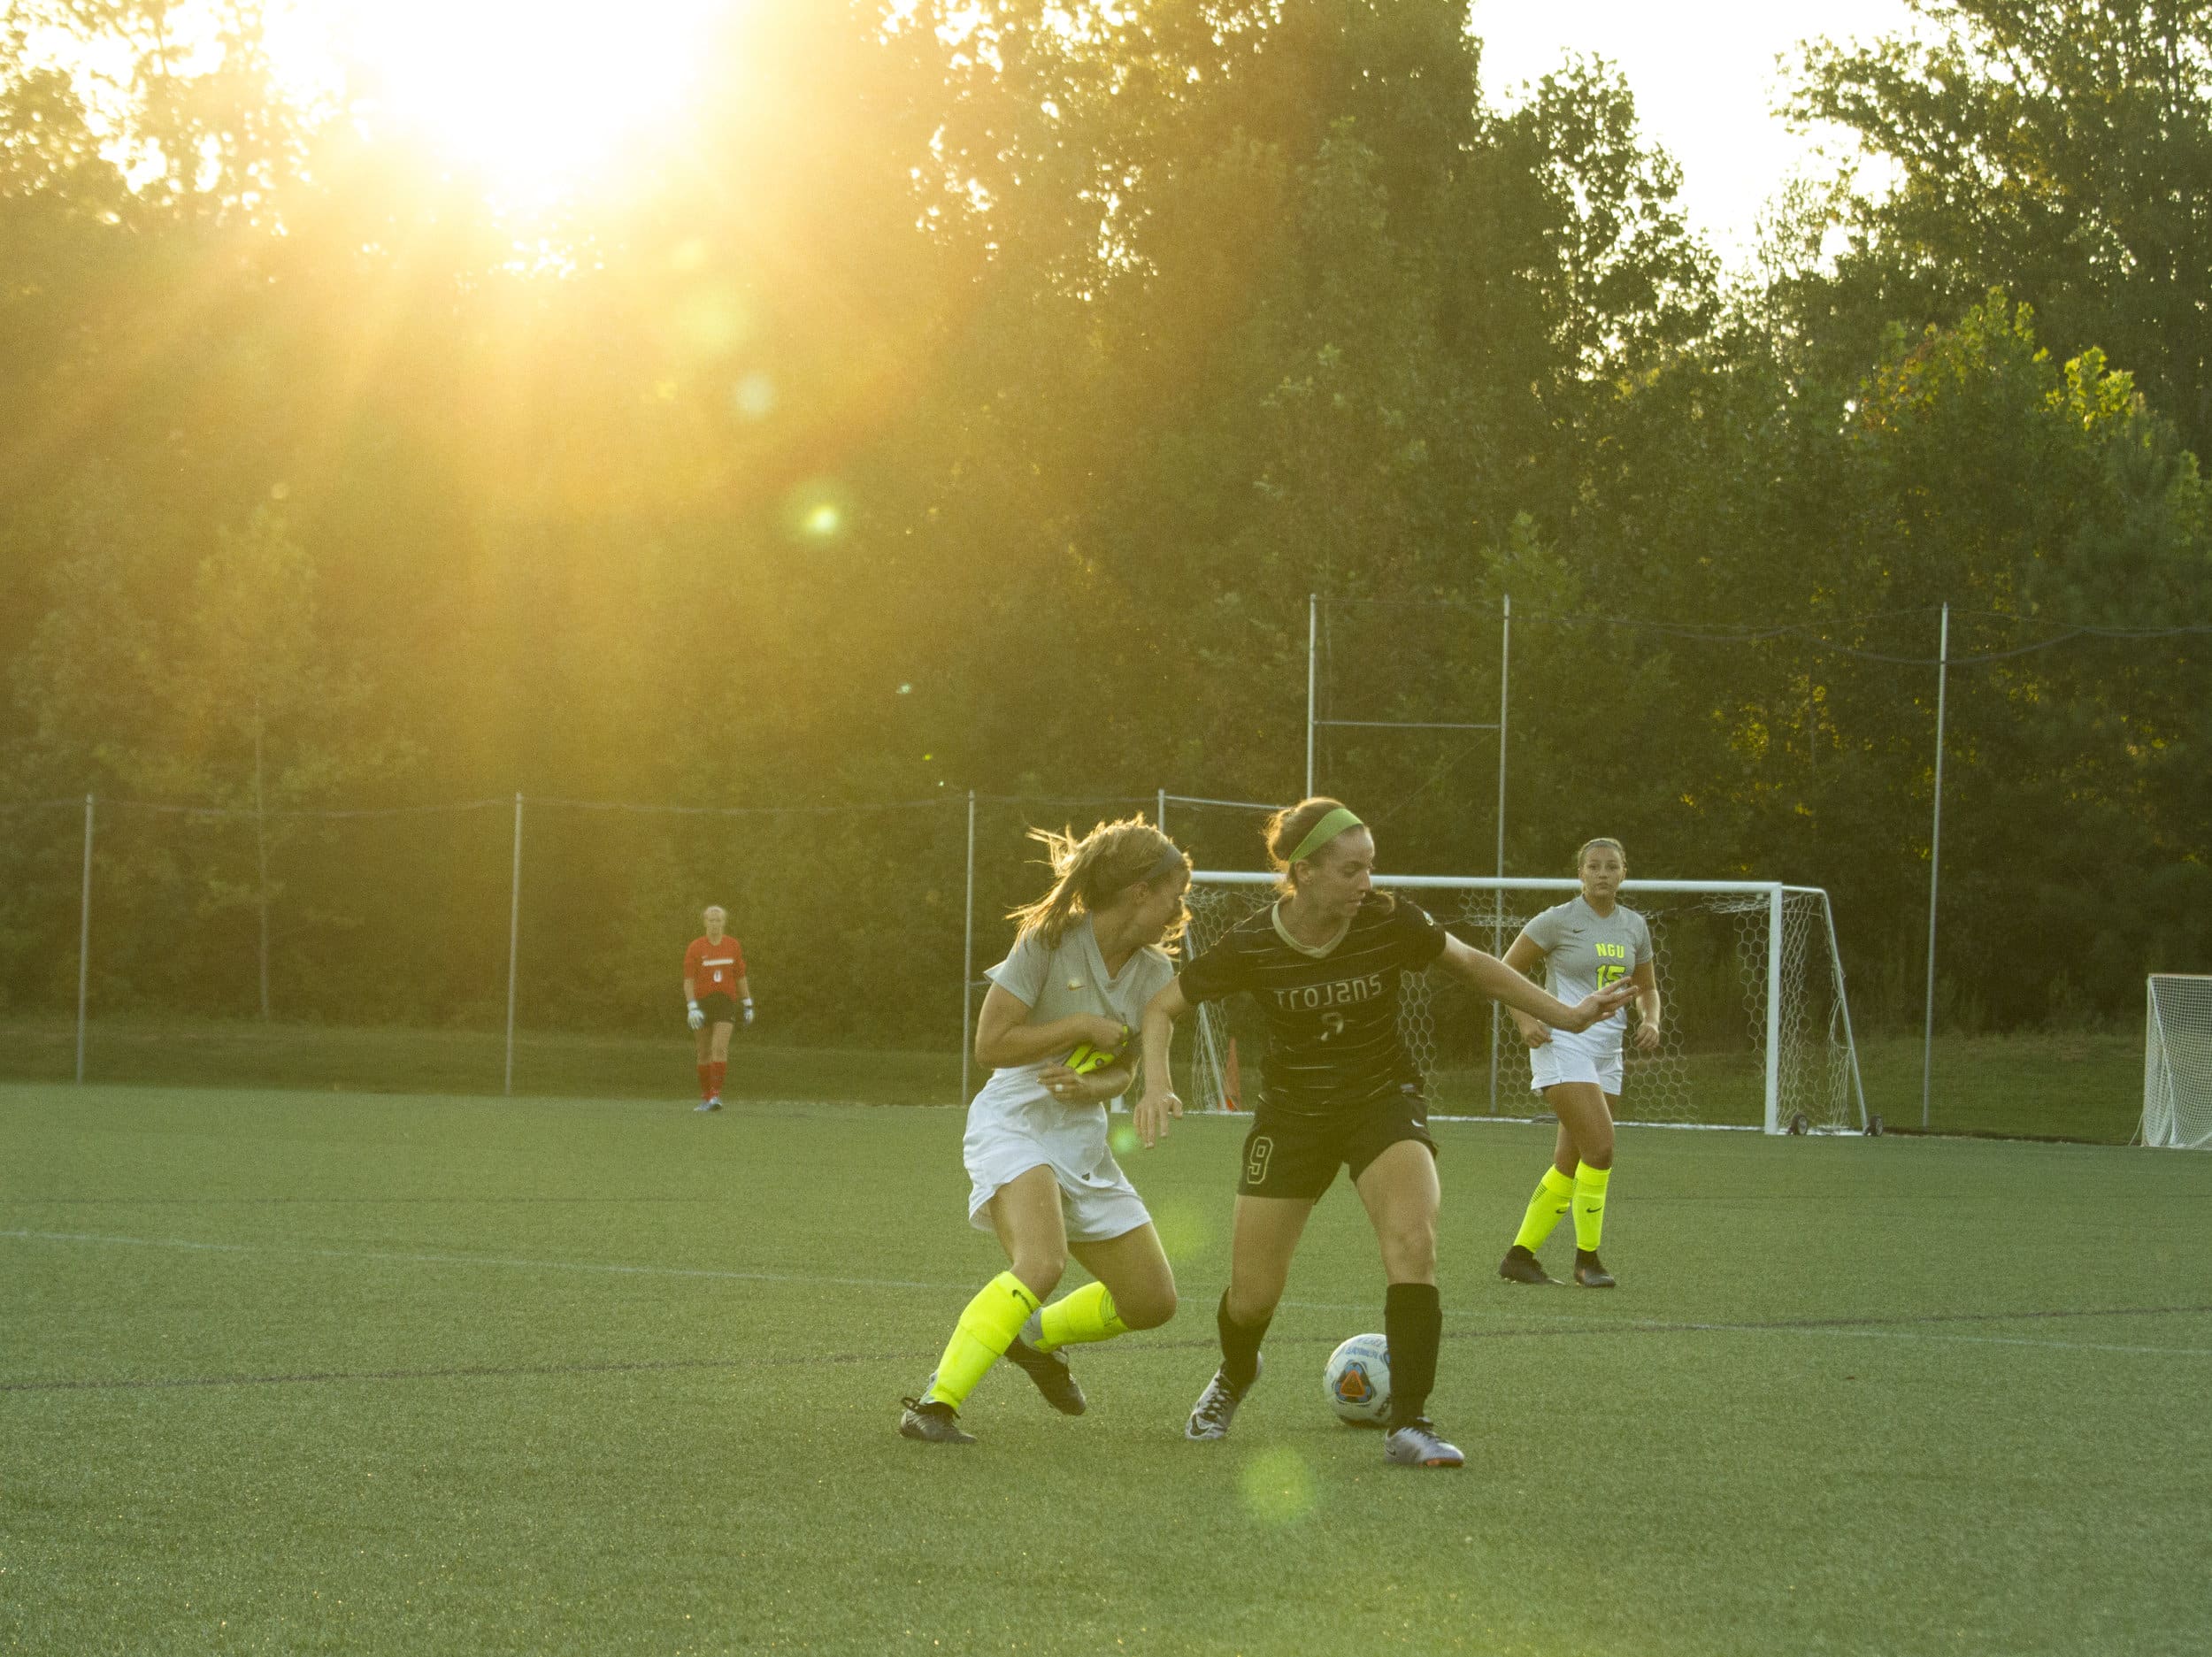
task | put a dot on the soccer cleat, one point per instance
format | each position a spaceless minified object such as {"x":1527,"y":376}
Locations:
{"x":1416,"y":1444}
{"x":1590,"y":1271}
{"x":1520,"y":1266}
{"x":1050,"y":1371}
{"x":714,"y":1103}
{"x":1217,"y":1407}
{"x":932,"y":1421}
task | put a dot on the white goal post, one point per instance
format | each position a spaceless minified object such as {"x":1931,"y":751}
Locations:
{"x":1757,"y":1032}
{"x":2177,"y":1061}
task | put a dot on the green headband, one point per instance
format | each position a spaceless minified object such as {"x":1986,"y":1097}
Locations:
{"x":1321,"y":833}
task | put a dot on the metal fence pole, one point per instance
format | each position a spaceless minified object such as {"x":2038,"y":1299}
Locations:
{"x":261,"y":858}
{"x":1935,"y":860}
{"x":1313,"y":636}
{"x":514,"y":941}
{"x":1774,"y":1011}
{"x":84,"y":937}
{"x":1159,"y":813}
{"x":1497,"y":898}
{"x":967,"y":955}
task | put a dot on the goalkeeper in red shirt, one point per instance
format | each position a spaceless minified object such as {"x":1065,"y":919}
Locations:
{"x":716,"y":995}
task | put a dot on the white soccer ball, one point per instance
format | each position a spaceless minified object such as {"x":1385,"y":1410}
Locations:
{"x":1357,"y":1381}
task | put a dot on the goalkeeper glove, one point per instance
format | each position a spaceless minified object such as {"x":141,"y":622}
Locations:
{"x":749,"y":1010}
{"x":693,"y":1016}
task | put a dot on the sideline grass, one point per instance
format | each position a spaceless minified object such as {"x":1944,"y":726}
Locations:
{"x":2064,"y":1086}
{"x":284,"y":1372}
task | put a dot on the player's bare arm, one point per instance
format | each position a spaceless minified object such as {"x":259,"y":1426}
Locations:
{"x":1158,"y":1102}
{"x":1645,"y":978}
{"x":1088,"y":1087}
{"x":1493,"y":978}
{"x":1004,"y":1037}
{"x":1525,"y":958}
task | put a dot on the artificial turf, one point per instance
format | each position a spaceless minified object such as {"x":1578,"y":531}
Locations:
{"x":289,"y":1372}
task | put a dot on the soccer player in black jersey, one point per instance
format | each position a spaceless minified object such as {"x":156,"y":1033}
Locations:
{"x":1337,"y":1087}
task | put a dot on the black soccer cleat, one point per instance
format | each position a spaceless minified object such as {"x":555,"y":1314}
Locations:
{"x":1590,"y":1271}
{"x":1520,"y":1266}
{"x":1050,"y":1371}
{"x":1418,"y":1444}
{"x":1217,"y":1407}
{"x":932,"y":1421}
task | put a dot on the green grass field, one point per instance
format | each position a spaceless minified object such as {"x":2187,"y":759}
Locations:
{"x":2072,"y":1086}
{"x":293,"y":1372}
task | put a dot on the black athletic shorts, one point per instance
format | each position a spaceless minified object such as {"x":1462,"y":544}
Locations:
{"x":719,"y":1010}
{"x":1298,"y":1156}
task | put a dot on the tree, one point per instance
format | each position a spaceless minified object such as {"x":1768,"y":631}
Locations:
{"x":2059,"y":151}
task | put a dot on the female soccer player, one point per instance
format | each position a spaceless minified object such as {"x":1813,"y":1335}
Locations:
{"x":1057,"y":1024}
{"x":1337,"y":1087}
{"x":715,"y":990}
{"x":1587,"y":943}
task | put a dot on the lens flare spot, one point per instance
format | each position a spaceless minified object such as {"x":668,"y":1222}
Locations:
{"x":713,"y":325}
{"x":1277,"y":1486}
{"x":754,"y":397}
{"x":816,"y":511}
{"x":1186,"y":1228}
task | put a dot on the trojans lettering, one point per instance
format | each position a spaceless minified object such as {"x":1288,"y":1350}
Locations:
{"x":1336,"y":993}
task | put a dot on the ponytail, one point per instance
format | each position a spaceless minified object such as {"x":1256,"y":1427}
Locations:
{"x":1089,"y":873}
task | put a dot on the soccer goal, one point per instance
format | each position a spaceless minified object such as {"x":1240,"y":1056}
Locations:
{"x":1757,"y":1032}
{"x":2177,"y":1061}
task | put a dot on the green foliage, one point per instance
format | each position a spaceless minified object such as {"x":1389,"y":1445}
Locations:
{"x":975,"y":399}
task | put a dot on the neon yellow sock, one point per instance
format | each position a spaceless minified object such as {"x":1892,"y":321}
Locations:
{"x":1590,"y":1185}
{"x":1545,"y":1209}
{"x":1088,"y":1315}
{"x":986,"y":1324}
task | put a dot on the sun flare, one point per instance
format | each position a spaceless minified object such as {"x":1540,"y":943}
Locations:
{"x":534,"y":95}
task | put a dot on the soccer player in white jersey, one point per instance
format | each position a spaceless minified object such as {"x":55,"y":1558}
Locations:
{"x":1590,"y":942}
{"x":1338,"y":1089}
{"x":1057,"y":1024}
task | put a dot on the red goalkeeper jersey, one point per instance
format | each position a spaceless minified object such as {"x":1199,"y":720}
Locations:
{"x":714,"y":968}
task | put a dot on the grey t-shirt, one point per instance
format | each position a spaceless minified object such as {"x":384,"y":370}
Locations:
{"x":1058,"y":983}
{"x":1585,"y":951}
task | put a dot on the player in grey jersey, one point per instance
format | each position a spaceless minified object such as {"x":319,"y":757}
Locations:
{"x":1585,"y":944}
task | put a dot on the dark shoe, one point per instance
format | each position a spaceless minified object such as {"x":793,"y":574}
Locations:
{"x":1418,"y":1443}
{"x":1520,"y":1266}
{"x":1590,"y":1271}
{"x":932,"y":1422}
{"x":1050,"y":1371}
{"x":1216,"y":1409}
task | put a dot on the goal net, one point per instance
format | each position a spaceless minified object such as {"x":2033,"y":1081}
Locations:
{"x":2177,"y":1061}
{"x":1756,"y":1032}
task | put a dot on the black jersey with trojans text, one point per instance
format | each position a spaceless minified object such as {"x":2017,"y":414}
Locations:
{"x":1332,"y":1019}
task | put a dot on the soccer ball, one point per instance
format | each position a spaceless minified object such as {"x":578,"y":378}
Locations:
{"x":1357,"y":1381}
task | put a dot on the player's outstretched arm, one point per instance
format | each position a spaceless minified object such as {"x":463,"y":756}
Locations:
{"x":1491,"y":977}
{"x":1158,"y":1102}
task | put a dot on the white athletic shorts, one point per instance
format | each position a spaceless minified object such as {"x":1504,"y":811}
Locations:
{"x":1015,"y":1124}
{"x":1572,"y":1058}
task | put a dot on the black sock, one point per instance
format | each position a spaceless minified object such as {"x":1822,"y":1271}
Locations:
{"x":1413,"y":1323}
{"x":1240,"y":1346}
